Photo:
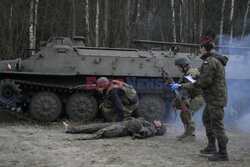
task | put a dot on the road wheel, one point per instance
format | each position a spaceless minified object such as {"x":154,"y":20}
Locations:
{"x":45,"y":106}
{"x":151,"y":107}
{"x":82,"y":107}
{"x":9,"y":92}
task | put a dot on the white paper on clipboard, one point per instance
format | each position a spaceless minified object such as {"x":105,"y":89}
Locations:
{"x":192,"y":80}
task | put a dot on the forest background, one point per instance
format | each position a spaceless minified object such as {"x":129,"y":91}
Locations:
{"x":114,"y":23}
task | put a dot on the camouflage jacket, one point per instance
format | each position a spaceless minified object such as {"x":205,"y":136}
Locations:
{"x":212,"y":79}
{"x":139,"y":127}
{"x":119,"y":95}
{"x":185,"y":84}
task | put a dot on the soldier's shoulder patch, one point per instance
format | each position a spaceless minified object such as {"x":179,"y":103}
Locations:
{"x":205,"y":62}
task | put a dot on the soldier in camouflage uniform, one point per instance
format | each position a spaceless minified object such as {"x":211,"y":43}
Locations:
{"x":195,"y":101}
{"x":120,"y":100}
{"x":212,"y":81}
{"x":135,"y":127}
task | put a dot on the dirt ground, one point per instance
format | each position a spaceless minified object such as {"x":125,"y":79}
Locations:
{"x":25,"y":144}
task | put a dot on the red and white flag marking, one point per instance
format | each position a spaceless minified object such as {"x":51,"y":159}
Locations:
{"x":9,"y":66}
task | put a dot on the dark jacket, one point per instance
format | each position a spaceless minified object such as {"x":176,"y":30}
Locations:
{"x":212,"y":79}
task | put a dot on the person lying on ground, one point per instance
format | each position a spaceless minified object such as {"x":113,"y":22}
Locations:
{"x":135,"y":127}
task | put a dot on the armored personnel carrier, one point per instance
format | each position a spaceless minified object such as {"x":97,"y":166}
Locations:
{"x":41,"y":85}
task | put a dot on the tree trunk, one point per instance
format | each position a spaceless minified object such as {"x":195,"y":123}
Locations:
{"x":195,"y":32}
{"x":181,"y":22}
{"x":105,"y":24}
{"x":186,"y":21}
{"x":73,"y":18}
{"x":31,"y":27}
{"x":173,"y":20}
{"x":161,"y":31}
{"x":137,"y":16}
{"x":190,"y":21}
{"x":87,"y":22}
{"x":44,"y":20}
{"x":97,"y":24}
{"x":127,"y":25}
{"x":222,"y":20}
{"x":11,"y":31}
{"x":245,"y":20}
{"x":201,"y":18}
{"x":231,"y":22}
{"x":35,"y":22}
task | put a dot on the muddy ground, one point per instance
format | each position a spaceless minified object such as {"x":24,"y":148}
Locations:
{"x":27,"y":144}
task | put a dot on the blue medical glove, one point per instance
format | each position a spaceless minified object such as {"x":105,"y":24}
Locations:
{"x":174,"y":86}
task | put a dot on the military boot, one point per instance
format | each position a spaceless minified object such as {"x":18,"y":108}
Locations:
{"x":219,"y":156}
{"x":210,"y":149}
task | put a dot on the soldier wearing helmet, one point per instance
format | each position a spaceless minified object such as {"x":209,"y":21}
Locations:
{"x":135,"y":127}
{"x":195,"y":101}
{"x":120,"y":100}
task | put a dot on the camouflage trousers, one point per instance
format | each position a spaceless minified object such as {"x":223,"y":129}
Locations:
{"x":99,"y":130}
{"x":212,"y":118}
{"x":195,"y":105}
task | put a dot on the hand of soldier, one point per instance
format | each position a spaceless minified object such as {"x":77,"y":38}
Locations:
{"x":139,"y":135}
{"x":136,"y":135}
{"x":192,"y":75}
{"x":174,"y":86}
{"x":166,"y":84}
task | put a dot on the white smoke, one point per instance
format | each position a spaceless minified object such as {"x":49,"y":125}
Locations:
{"x":237,"y":112}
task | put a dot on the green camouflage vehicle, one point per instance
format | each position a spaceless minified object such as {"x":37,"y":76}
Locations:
{"x":43,"y":85}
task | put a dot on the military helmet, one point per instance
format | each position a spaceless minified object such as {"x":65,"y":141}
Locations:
{"x":182,"y":60}
{"x":161,"y":130}
{"x":102,"y":81}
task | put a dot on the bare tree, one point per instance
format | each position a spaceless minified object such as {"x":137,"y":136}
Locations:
{"x":127,"y":24}
{"x":33,"y":24}
{"x":118,"y":21}
{"x":185,"y":20}
{"x":194,"y":18}
{"x":222,"y":20}
{"x":245,"y":20}
{"x":97,"y":23}
{"x":137,"y":15}
{"x":35,"y":20}
{"x":87,"y":21}
{"x":189,"y":21}
{"x":105,"y":24}
{"x":73,"y":18}
{"x":201,"y":18}
{"x":44,"y":20}
{"x":31,"y":27}
{"x":173,"y":20}
{"x":231,"y":22}
{"x":11,"y":30}
{"x":181,"y":21}
{"x":148,"y":16}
